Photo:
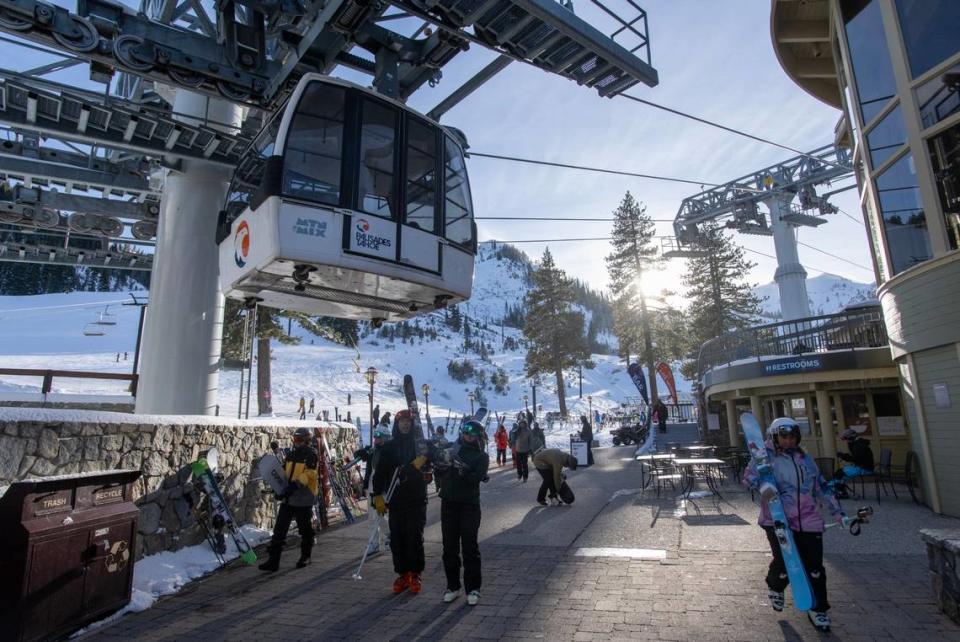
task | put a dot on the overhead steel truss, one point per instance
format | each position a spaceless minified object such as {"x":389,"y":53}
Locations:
{"x":44,"y":253}
{"x":739,"y":199}
{"x":251,"y":52}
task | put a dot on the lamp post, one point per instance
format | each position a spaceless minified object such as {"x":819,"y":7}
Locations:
{"x":371,"y":376}
{"x":425,"y":389}
{"x":471,"y":397}
{"x":525,"y":406}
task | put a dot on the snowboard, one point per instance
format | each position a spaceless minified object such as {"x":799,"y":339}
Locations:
{"x":271,"y":470}
{"x":799,"y":581}
{"x":219,"y":510}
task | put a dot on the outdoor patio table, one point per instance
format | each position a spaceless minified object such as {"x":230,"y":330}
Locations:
{"x":690,"y":475}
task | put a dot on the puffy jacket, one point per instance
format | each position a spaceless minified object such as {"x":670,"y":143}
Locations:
{"x":552,"y":459}
{"x":301,"y":467}
{"x":860,"y":454}
{"x":802,"y":490}
{"x":462,"y":484}
{"x":399,"y":453}
{"x":501,"y":438}
{"x":522,"y":443}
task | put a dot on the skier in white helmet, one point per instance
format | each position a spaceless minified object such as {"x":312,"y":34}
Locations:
{"x":802,"y":490}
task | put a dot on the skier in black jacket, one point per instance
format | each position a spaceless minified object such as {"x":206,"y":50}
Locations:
{"x":408,"y":504}
{"x":859,"y":462}
{"x":301,"y":466}
{"x":460,"y":474}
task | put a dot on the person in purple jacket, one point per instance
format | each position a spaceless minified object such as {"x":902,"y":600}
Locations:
{"x":803,"y":490}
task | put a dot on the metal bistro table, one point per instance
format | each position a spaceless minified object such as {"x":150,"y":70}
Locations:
{"x":690,"y":475}
{"x":649,"y":460}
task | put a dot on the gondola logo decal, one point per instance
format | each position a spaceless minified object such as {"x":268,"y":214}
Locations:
{"x":241,"y":244}
{"x":310,"y":227}
{"x":364,"y":239}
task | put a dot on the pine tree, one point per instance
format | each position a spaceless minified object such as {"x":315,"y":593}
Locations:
{"x":633,"y":254}
{"x":720,"y":300}
{"x":554,"y":330}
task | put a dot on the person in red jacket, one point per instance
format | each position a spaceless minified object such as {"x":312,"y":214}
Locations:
{"x":502,"y":441}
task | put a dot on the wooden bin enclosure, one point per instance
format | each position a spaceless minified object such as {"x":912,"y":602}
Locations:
{"x":68,"y":546}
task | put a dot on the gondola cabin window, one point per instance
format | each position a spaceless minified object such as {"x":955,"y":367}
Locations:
{"x":314,"y":149}
{"x":458,"y":206}
{"x":377,"y":172}
{"x":421,"y":188}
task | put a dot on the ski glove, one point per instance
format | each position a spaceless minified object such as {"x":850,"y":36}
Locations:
{"x":768,"y":491}
{"x":379,"y":505}
{"x":419,"y":462}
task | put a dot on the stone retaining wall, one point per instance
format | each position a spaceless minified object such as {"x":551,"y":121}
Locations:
{"x":47,"y":442}
{"x":943,"y":553}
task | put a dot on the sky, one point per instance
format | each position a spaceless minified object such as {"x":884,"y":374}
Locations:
{"x":715,"y":60}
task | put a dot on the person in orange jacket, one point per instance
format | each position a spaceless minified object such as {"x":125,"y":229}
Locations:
{"x":502,"y":441}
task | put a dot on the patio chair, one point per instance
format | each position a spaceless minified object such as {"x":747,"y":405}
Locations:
{"x":663,"y":471}
{"x":883,"y":473}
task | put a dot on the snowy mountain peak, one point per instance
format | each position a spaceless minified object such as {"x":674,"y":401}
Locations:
{"x":826,"y":294}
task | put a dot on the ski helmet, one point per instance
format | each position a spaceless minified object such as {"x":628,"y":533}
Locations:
{"x":301,"y":435}
{"x":472,"y":427}
{"x":402,"y":414}
{"x":381,"y":433}
{"x":849,"y":434}
{"x":784,"y":426}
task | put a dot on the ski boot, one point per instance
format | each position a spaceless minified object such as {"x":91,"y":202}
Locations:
{"x":776,"y":599}
{"x":304,"y":561}
{"x":415,"y":583}
{"x":473,"y":597}
{"x":273,"y":561}
{"x":402,"y":583}
{"x":820,"y":620}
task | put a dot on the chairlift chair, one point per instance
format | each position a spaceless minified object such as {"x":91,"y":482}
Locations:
{"x":106,"y":317}
{"x":349,"y":204}
{"x":93,"y":330}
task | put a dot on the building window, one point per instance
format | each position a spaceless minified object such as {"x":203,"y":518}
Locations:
{"x":458,"y":208}
{"x":904,"y":221}
{"x":377,"y":138}
{"x":940,"y":97}
{"x":421,"y":192}
{"x":876,"y":237}
{"x":929,"y":32}
{"x":314,"y":149}
{"x":889,"y":135}
{"x":869,"y":57}
{"x":945,"y":159}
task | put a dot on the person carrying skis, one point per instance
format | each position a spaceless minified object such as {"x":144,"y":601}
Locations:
{"x":586,"y":435}
{"x":408,"y":505}
{"x":860,"y":461}
{"x":460,"y":511}
{"x":522,"y":446}
{"x":802,"y":491}
{"x":301,"y":467}
{"x":502,"y":441}
{"x":549,"y":462}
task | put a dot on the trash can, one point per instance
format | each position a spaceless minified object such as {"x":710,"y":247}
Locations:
{"x":68,"y":545}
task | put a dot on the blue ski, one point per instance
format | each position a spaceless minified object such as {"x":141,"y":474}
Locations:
{"x":799,"y":582}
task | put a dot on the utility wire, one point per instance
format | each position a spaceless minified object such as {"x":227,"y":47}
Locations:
{"x":552,"y":218}
{"x":839,"y":258}
{"x":600,"y":170}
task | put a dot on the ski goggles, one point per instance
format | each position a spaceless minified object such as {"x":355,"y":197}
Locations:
{"x":786,"y":430}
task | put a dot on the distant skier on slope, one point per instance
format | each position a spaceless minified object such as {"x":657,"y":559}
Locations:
{"x":802,"y":489}
{"x":459,"y":482}
{"x":408,"y":505}
{"x":301,"y":468}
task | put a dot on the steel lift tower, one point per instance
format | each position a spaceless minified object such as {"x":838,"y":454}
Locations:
{"x":737,"y":205}
{"x":90,"y":177}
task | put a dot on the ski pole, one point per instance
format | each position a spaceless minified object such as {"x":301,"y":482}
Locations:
{"x":393,"y":486}
{"x":863,"y":517}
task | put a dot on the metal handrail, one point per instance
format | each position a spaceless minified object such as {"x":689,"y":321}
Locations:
{"x":48,"y":376}
{"x":862,"y":328}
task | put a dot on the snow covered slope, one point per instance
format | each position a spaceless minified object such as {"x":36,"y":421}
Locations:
{"x":827,"y":294}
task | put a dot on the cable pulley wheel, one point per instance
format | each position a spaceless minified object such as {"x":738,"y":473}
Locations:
{"x":12,"y":21}
{"x":124,"y":48}
{"x":185,"y":77}
{"x":83,"y":39}
{"x":232,"y":92}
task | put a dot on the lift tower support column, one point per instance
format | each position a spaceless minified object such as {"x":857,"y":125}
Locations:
{"x":791,"y":278}
{"x":181,"y":348}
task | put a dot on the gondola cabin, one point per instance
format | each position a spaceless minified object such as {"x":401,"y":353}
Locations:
{"x":352,"y":205}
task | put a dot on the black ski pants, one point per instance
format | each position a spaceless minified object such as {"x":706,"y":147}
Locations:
{"x":459,"y":524}
{"x":810,"y":547}
{"x":547,"y":485}
{"x":501,"y":456}
{"x":286,"y":514}
{"x":523,"y":469}
{"x":406,"y":537}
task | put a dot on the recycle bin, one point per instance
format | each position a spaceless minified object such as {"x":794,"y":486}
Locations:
{"x":68,"y":545}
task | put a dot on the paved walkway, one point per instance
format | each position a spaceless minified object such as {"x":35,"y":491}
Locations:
{"x":538,"y":584}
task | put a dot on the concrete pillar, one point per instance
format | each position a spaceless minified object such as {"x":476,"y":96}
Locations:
{"x":731,"y":406}
{"x":791,"y":278}
{"x":828,"y":438}
{"x":181,"y":343}
{"x":756,"y":407}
